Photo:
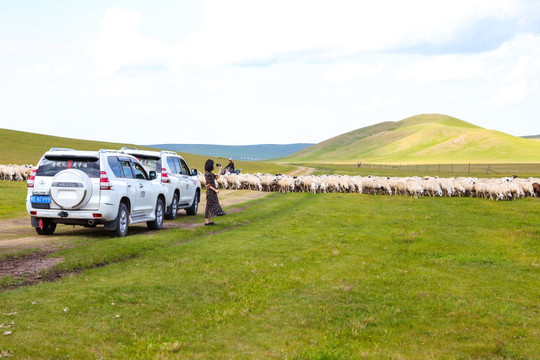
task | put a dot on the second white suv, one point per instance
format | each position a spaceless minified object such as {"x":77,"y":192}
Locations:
{"x":182,"y":186}
{"x":90,"y":188}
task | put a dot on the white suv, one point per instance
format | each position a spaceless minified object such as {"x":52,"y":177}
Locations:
{"x":182,"y":186}
{"x":90,"y":188}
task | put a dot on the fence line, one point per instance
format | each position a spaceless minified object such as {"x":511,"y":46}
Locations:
{"x":494,"y":169}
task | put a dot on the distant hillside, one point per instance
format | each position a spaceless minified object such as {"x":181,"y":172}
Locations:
{"x":19,"y":147}
{"x":428,"y":138}
{"x":244,"y":152}
{"x":535,"y":137}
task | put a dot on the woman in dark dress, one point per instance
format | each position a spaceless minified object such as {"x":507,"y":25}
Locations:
{"x":213,"y":208}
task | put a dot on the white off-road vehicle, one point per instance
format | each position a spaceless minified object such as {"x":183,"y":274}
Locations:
{"x":182,"y":186}
{"x":90,"y":188}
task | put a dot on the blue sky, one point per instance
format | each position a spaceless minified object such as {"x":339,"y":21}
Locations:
{"x":251,"y":72}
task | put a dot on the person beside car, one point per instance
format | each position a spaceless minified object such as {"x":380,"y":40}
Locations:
{"x":213,"y":208}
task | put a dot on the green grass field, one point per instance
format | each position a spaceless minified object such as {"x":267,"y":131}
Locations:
{"x":298,"y":276}
{"x":441,"y":170}
{"x":12,"y":199}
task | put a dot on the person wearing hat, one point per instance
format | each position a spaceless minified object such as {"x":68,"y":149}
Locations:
{"x":230,"y":166}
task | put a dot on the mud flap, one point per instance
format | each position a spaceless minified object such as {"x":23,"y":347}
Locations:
{"x":34,"y":221}
{"x":111,"y":226}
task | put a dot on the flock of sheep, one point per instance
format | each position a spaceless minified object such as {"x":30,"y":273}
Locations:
{"x":493,"y":189}
{"x":15,"y":172}
{"x":507,"y":188}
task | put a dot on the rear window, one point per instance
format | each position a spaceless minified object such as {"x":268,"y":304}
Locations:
{"x":150,"y":163}
{"x":52,"y":165}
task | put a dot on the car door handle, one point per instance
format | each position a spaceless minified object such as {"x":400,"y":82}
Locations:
{"x":141,"y":185}
{"x":128,"y":185}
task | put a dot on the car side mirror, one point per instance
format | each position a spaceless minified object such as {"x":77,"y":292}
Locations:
{"x":153,"y":175}
{"x":194,"y":172}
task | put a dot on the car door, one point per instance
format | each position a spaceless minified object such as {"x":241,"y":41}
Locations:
{"x":146,"y":192}
{"x":187,"y":181}
{"x":131,"y":184}
{"x":185,"y":197}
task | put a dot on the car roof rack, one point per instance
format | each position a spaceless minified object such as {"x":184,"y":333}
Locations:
{"x":128,"y":148}
{"x":61,"y":149}
{"x":168,"y":152}
{"x":109,"y":151}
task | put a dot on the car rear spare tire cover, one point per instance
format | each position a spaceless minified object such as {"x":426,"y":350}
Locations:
{"x":71,"y":189}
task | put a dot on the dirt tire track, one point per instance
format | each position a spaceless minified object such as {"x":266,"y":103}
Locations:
{"x":37,"y":266}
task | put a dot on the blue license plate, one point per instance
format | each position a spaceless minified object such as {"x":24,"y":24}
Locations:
{"x":40,"y":199}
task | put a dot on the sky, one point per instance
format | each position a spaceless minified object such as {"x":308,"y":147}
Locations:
{"x":242,"y":72}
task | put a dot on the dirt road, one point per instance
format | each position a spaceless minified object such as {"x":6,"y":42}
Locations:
{"x":301,"y":171}
{"x":18,"y":235}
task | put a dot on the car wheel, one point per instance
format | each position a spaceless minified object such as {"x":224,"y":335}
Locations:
{"x":192,"y":210}
{"x":123,"y":222}
{"x":160,"y":213}
{"x":174,"y":208}
{"x":48,"y":227}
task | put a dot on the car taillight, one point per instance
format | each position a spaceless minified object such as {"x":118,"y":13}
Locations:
{"x":164,"y":176}
{"x":104,"y":183}
{"x":32,"y":178}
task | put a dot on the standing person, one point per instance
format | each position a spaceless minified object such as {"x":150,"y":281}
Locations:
{"x":213,"y":208}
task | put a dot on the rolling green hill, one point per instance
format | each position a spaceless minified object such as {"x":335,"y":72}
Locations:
{"x":427,"y":138}
{"x":18,"y":147}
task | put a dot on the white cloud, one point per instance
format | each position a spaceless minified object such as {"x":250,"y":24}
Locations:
{"x":443,"y":68}
{"x":350,"y":71}
{"x":308,"y":70}
{"x":120,"y":46}
{"x":239,"y":31}
{"x":511,"y":94}
{"x":36,"y":69}
{"x":376,"y":103}
{"x":518,"y":67}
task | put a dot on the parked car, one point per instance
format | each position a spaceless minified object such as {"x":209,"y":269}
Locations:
{"x":90,"y":188}
{"x":182,"y":186}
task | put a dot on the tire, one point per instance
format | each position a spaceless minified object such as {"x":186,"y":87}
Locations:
{"x":174,"y":208}
{"x":122,"y":222}
{"x":192,"y":210}
{"x":48,"y":227}
{"x":160,"y":213}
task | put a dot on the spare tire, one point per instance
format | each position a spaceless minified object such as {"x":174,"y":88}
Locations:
{"x":71,"y":189}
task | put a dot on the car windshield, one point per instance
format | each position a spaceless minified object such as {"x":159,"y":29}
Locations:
{"x":52,"y":165}
{"x":150,"y":163}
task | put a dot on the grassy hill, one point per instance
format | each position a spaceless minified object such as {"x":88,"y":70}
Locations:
{"x":428,"y":138}
{"x":18,"y":147}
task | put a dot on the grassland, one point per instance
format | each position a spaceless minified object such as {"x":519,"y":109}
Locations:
{"x":441,"y":170}
{"x":298,"y":276}
{"x":423,"y":139}
{"x":12,"y":199}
